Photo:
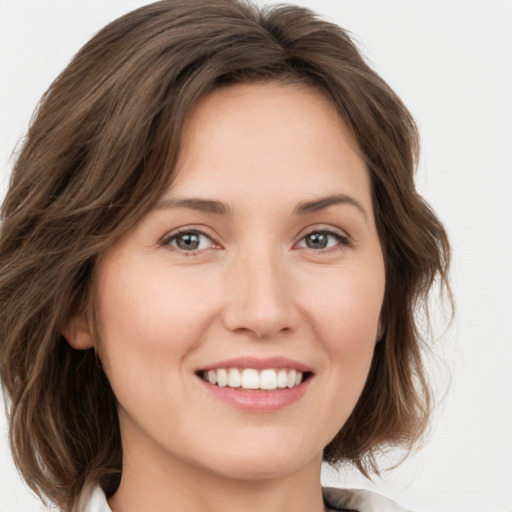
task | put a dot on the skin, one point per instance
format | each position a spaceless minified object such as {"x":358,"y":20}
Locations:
{"x":253,"y":288}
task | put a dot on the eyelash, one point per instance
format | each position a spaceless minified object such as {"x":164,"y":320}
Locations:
{"x":343,"y":240}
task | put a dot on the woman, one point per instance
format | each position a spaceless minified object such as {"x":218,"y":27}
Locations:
{"x":212,"y":254}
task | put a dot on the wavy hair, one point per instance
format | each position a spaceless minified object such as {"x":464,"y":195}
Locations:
{"x":101,"y":149}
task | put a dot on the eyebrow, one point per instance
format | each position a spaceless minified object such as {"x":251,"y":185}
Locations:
{"x":219,"y":208}
{"x":202,"y":205}
{"x":305,"y":207}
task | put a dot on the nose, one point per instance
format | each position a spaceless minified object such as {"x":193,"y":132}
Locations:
{"x":259,"y":296}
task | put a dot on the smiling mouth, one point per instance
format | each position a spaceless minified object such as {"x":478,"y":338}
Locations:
{"x":250,"y":379}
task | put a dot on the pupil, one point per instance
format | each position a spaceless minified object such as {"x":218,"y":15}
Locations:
{"x":188,"y":241}
{"x":317,"y":241}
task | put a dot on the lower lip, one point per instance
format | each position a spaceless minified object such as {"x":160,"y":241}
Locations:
{"x":258,"y":401}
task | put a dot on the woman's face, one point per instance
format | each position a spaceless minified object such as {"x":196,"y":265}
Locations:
{"x":261,"y":261}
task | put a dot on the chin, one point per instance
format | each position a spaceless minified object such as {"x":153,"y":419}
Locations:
{"x":265,"y":464}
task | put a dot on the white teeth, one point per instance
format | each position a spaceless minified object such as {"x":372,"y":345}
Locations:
{"x":249,"y":378}
{"x":268,"y":379}
{"x":234,"y":378}
{"x":222,"y":378}
{"x":282,"y":379}
{"x":212,"y":376}
{"x":292,"y":375}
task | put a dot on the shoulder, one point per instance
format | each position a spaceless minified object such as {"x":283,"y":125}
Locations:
{"x":358,"y":500}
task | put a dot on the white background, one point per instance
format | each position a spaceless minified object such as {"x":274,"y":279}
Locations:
{"x":451,"y":62}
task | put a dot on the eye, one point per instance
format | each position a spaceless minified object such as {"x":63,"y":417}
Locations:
{"x":191,"y":241}
{"x":324,"y":239}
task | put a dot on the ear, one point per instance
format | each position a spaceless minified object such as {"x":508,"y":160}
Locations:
{"x":77,"y":333}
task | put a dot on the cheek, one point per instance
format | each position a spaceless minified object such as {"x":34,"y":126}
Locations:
{"x":344,"y":314}
{"x":347,"y":308}
{"x":345,"y":319}
{"x":149,"y":323}
{"x":148,"y":327}
{"x":149,"y":311}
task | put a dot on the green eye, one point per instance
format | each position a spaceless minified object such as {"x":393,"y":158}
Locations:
{"x":323,"y":239}
{"x":189,"y":241}
{"x":317,"y":240}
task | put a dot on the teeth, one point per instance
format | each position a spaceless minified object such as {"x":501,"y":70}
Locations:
{"x":292,"y":376}
{"x":249,"y":378}
{"x":268,"y":379}
{"x":282,"y":379}
{"x":234,"y":378}
{"x":222,"y":378}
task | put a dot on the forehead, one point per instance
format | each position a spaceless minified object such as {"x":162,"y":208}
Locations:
{"x":267,"y":139}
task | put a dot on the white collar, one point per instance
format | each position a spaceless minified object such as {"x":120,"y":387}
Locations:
{"x":353,"y":499}
{"x":95,"y":502}
{"x":359,"y":500}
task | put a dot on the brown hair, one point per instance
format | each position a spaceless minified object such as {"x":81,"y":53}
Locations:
{"x":98,"y":155}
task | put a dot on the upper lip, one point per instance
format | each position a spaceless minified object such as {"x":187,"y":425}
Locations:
{"x":258,"y":363}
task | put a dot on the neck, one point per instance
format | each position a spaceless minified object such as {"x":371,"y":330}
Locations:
{"x":161,"y":484}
